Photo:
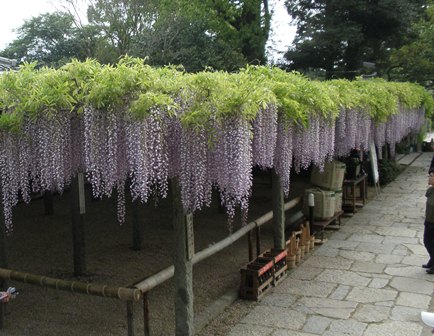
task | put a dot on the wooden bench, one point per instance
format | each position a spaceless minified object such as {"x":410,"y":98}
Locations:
{"x":350,"y":198}
{"x":322,"y":224}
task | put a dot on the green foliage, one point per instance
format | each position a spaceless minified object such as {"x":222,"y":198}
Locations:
{"x":50,"y":39}
{"x":388,"y":170}
{"x":415,"y":60}
{"x":196,"y":34}
{"x":133,"y":87}
{"x":338,"y":36}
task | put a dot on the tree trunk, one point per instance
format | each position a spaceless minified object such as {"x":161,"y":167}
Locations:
{"x":278,"y":212}
{"x":183,"y":253}
{"x":78,"y":227}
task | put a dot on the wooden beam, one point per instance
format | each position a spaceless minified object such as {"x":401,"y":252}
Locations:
{"x":122,"y":293}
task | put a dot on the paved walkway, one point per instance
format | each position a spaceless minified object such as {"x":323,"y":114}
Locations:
{"x":365,"y":280}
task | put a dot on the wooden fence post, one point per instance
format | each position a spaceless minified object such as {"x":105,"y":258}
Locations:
{"x":138,"y":234}
{"x":183,"y":254}
{"x":278,"y":212}
{"x":48,"y":203}
{"x":78,"y":228}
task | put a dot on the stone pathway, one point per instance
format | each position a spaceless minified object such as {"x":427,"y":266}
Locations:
{"x":366,"y":280}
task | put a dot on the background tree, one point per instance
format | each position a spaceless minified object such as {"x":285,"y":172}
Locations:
{"x":49,"y":39}
{"x":218,"y":33}
{"x":338,"y":36}
{"x":222,"y":34}
{"x":415,"y":60}
{"x":189,"y":33}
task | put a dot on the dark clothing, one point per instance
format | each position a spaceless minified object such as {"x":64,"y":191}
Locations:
{"x":429,"y":208}
{"x":431,"y":167}
{"x":428,"y":239}
{"x":428,"y":233}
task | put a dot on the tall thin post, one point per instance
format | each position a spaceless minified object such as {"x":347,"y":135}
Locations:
{"x":78,"y":228}
{"x":311,"y":204}
{"x":278,"y":212}
{"x":183,"y":254}
{"x":48,"y":203}
{"x":258,"y":240}
{"x":130,"y":318}
{"x":138,"y":235}
{"x":146,"y":314}
{"x":250,"y":245}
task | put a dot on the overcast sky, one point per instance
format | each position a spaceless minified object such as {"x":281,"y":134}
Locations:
{"x":13,"y":13}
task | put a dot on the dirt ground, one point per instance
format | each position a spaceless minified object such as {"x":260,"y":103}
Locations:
{"x":43,"y":245}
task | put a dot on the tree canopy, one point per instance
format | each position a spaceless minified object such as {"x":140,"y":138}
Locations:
{"x":414,"y":61}
{"x":338,"y":36}
{"x":222,"y":34}
{"x":49,"y":39}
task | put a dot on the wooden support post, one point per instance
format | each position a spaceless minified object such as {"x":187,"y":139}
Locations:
{"x":183,"y":254}
{"x":130,"y":318}
{"x":48,"y":203}
{"x":278,"y":212}
{"x":138,"y":234}
{"x":3,"y":264}
{"x":250,"y":245}
{"x":220,"y":208}
{"x":146,"y":314}
{"x":258,"y":240}
{"x":78,"y":228}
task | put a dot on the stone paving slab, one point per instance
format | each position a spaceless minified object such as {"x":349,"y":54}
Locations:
{"x":370,"y":313}
{"x":275,"y":317}
{"x":346,"y":327}
{"x":413,"y":300}
{"x":242,"y":329}
{"x":367,"y":267}
{"x":340,"y":292}
{"x":370,"y":295}
{"x":396,"y":232}
{"x":401,"y":240}
{"x":389,"y":259}
{"x":357,"y":256}
{"x":290,"y":333}
{"x":317,"y":324}
{"x":337,"y":262}
{"x":379,"y":283}
{"x":343,"y":278}
{"x":326,"y":251}
{"x":394,"y":328}
{"x":419,"y":286}
{"x":304,"y":287}
{"x":376,"y":248}
{"x":402,"y":313}
{"x":306,"y":272}
{"x":328,"y":307}
{"x":279,"y":300}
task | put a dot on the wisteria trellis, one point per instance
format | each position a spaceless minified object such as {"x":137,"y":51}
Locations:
{"x":117,"y":150}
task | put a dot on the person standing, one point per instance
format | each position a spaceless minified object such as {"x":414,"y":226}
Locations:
{"x":428,"y":233}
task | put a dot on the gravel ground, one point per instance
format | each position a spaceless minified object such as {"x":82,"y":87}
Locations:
{"x":43,"y":245}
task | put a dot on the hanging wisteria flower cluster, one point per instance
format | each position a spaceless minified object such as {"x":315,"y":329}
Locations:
{"x":137,"y":137}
